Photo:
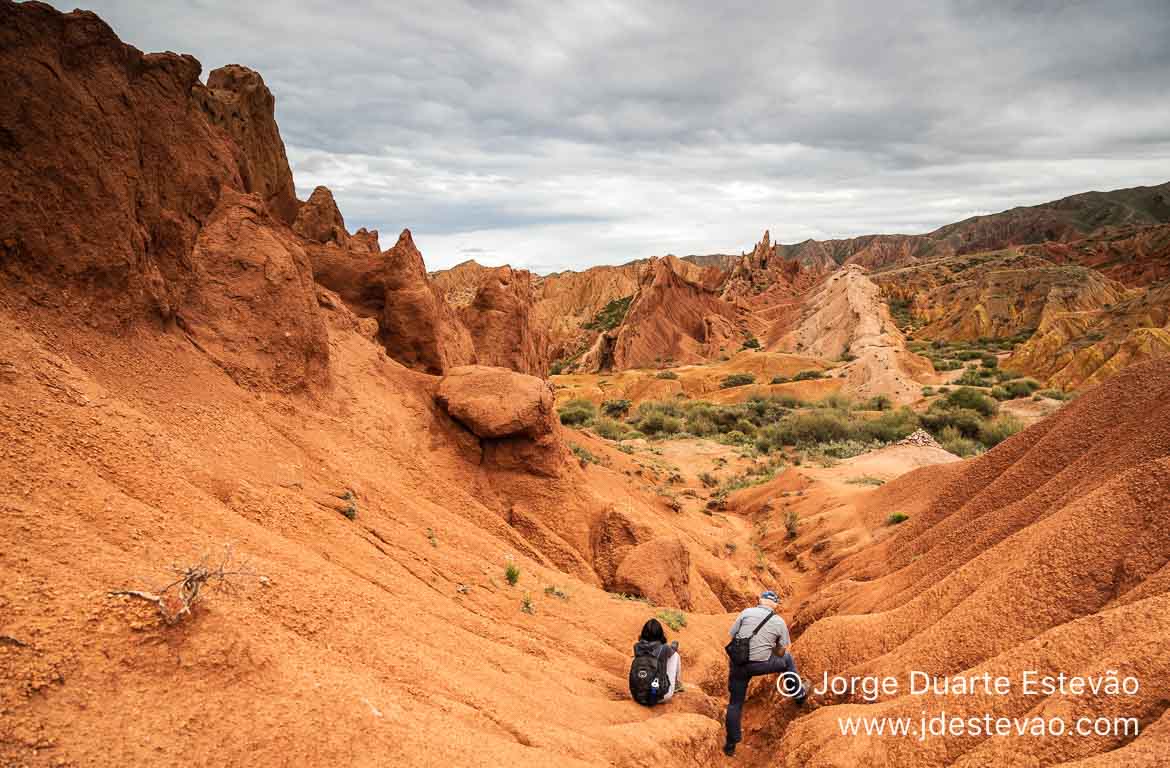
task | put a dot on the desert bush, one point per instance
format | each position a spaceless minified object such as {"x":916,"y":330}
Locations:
{"x":583,"y":455}
{"x":999,"y":429}
{"x":554,"y":591}
{"x":866,"y":480}
{"x":808,"y":375}
{"x":1000,"y":393}
{"x":951,"y":439}
{"x":577,"y":412}
{"x":780,"y":379}
{"x":671,"y":375}
{"x":877,"y":403}
{"x":989,"y":361}
{"x":615,"y":408}
{"x":610,"y":316}
{"x":843,"y":449}
{"x":526,"y":604}
{"x":897,"y":517}
{"x":1054,"y":394}
{"x":610,"y":429}
{"x":512,"y":573}
{"x":927,"y":391}
{"x":676,"y":620}
{"x":890,"y":426}
{"x":966,"y":397}
{"x":737,"y":380}
{"x":1021,"y":387}
{"x":708,"y":480}
{"x":751,"y":343}
{"x":970,"y":378}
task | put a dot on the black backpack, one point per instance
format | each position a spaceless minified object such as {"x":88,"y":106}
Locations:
{"x":649,"y":664}
{"x":740,"y":648}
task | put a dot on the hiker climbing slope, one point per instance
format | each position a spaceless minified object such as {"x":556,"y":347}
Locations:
{"x":759,"y":646}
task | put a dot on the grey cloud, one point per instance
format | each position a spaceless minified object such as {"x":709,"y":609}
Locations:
{"x":567,"y":135}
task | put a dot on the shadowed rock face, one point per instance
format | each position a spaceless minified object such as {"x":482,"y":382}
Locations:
{"x":124,"y":197}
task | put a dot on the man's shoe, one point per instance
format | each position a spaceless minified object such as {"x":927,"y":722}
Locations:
{"x":729,"y":749}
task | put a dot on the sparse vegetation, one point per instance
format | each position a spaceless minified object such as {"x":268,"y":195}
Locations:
{"x":432,"y":538}
{"x":751,"y":343}
{"x":708,"y":480}
{"x":511,"y":573}
{"x":583,"y":455}
{"x":866,"y":480}
{"x":897,"y":517}
{"x":737,"y":380}
{"x":552,"y":590}
{"x":610,"y":316}
{"x":180,"y":596}
{"x":792,"y":523}
{"x":615,"y":408}
{"x":808,"y":375}
{"x":526,"y":604}
{"x":676,"y":620}
{"x":577,"y":412}
{"x":780,"y":379}
{"x":670,"y":375}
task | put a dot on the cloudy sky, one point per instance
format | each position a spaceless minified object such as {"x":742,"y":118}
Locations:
{"x":555,"y":136}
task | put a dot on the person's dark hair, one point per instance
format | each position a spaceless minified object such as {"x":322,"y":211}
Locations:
{"x":652,"y":632}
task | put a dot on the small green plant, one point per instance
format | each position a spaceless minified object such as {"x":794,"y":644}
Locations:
{"x":583,"y":455}
{"x":808,"y":376}
{"x":631,"y":598}
{"x":526,"y":604}
{"x":431,"y":537}
{"x":737,"y":380}
{"x":751,"y":343}
{"x":897,"y":517}
{"x":708,"y":480}
{"x":1053,"y":394}
{"x":676,"y":620}
{"x":671,"y":375}
{"x":512,"y":574}
{"x":553,"y":590}
{"x":780,"y":379}
{"x":610,"y":316}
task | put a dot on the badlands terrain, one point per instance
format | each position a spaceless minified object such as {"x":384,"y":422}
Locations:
{"x":427,"y":513}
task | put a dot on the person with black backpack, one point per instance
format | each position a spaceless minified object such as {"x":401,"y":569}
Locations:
{"x":655,"y":668}
{"x":759,"y":642}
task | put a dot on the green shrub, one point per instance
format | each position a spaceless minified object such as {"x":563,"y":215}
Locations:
{"x":610,"y":429}
{"x":708,"y":480}
{"x":989,"y":361}
{"x":751,"y":343}
{"x":577,"y":412}
{"x":737,"y":380}
{"x":891,"y":426}
{"x":927,"y":391}
{"x":556,"y":367}
{"x":780,"y":379}
{"x":966,"y":397}
{"x":808,"y":375}
{"x":615,"y":408}
{"x":676,"y":620}
{"x":1021,"y":387}
{"x":1000,"y":393}
{"x":583,"y":454}
{"x":999,"y":429}
{"x":866,"y":480}
{"x":512,"y":574}
{"x":970,"y":378}
{"x":946,"y":364}
{"x":897,"y":517}
{"x":952,"y":440}
{"x":878,"y":403}
{"x":659,"y":423}
{"x":526,"y":604}
{"x":671,"y":375}
{"x":1054,"y":394}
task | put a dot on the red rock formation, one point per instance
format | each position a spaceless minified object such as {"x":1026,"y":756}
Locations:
{"x":417,"y":326}
{"x":496,"y":306}
{"x":671,"y":318}
{"x":237,"y":100}
{"x":122,"y":200}
{"x":252,"y":306}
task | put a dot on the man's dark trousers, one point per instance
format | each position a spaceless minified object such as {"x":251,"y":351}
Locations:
{"x":738,"y":678}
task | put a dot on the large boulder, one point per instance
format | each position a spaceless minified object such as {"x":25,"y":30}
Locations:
{"x":496,"y":402}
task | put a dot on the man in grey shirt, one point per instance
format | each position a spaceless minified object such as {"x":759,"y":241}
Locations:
{"x":768,"y":655}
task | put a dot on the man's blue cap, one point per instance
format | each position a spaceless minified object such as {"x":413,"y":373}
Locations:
{"x":770,"y":595}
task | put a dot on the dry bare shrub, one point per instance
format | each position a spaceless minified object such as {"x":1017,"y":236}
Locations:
{"x":176,"y":599}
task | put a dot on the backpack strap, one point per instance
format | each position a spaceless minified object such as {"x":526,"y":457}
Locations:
{"x":762,"y":623}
